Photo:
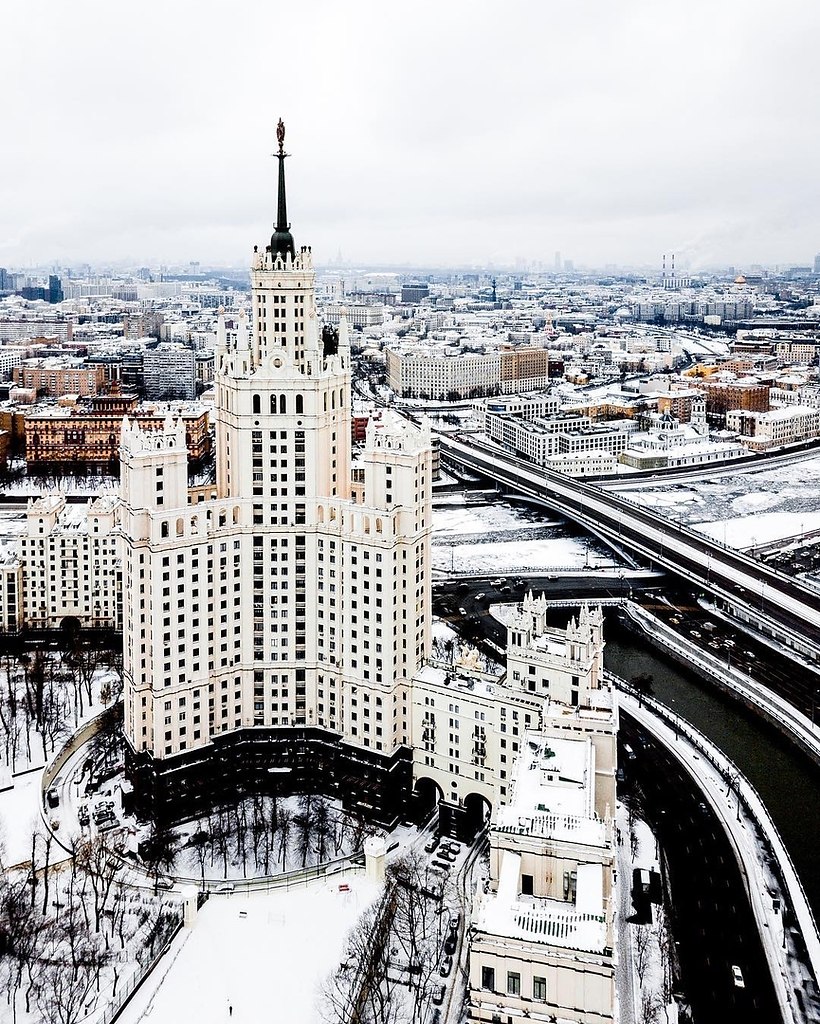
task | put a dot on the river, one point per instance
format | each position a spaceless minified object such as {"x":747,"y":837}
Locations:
{"x":788,"y":783}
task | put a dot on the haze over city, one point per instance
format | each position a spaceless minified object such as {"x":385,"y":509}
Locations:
{"x":428,"y":135}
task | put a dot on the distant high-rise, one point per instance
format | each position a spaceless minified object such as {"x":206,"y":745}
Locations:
{"x":169,"y":371}
{"x":558,"y":264}
{"x":817,"y":263}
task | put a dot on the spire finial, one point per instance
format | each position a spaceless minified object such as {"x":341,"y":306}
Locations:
{"x":281,"y":242}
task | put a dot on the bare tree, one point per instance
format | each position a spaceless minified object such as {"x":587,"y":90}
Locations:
{"x":285,"y":827}
{"x":649,"y":1008}
{"x":322,"y":827}
{"x":643,"y":940}
{"x":20,"y":932}
{"x":360,"y":990}
{"x":303,"y":822}
{"x":98,"y":857}
{"x":160,"y":850}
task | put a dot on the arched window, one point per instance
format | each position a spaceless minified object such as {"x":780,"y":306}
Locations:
{"x":257,"y":403}
{"x":341,"y":398}
{"x":367,"y":524}
{"x":320,"y":514}
{"x":180,"y":527}
{"x":324,"y":396}
{"x":283,"y":403}
{"x":273,"y":403}
{"x":237,"y":512}
{"x":332,"y":399}
{"x":163,"y":529}
{"x":300,"y":403}
{"x":378,"y":526}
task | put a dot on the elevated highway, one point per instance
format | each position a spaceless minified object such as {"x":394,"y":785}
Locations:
{"x":767,"y":600}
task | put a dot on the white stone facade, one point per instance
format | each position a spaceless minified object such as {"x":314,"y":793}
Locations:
{"x":70,"y":563}
{"x":291,"y":597}
{"x":543,"y":935}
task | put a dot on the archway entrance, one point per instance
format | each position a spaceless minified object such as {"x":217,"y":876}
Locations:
{"x":477,"y":810}
{"x":427,"y":795}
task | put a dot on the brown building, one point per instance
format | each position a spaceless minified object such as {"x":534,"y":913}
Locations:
{"x":723,"y":396}
{"x":56,"y":378}
{"x":90,"y":433}
{"x":678,"y":404}
{"x":13,"y":420}
{"x":523,"y":364}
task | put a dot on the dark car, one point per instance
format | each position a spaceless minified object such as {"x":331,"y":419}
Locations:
{"x":450,"y":944}
{"x":438,"y":995}
{"x":446,"y":966}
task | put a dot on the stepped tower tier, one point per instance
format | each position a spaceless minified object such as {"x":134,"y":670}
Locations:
{"x":293,"y":604}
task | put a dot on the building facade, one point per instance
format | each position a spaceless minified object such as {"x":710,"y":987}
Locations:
{"x":294,"y":602}
{"x":56,"y":377}
{"x":70,"y":564}
{"x":90,"y":432}
{"x":169,"y":372}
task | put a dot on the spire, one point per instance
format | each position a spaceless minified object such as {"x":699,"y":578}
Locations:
{"x":281,"y":241}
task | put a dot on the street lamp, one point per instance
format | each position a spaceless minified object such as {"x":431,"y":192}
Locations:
{"x":733,"y":779}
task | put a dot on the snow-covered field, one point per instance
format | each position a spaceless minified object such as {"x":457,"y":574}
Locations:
{"x":505,"y":537}
{"x":744,"y":508}
{"x":264,"y":954}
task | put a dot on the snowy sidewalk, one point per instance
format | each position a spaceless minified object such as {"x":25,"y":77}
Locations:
{"x":710,"y":770}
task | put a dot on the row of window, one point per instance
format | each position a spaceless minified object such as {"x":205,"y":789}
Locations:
{"x":539,"y":984}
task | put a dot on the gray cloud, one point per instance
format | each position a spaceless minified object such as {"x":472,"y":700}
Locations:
{"x":439,"y":132}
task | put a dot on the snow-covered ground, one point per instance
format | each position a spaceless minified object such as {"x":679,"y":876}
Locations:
{"x":506,"y":537}
{"x":746,"y":507}
{"x":19,"y":817}
{"x":263,"y":954}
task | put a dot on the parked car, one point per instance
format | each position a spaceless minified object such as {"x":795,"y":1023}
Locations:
{"x":450,"y":944}
{"x":454,"y":922}
{"x":432,"y":843}
{"x":438,"y":995}
{"x":446,"y":966}
{"x":53,"y":794}
{"x":737,"y":977}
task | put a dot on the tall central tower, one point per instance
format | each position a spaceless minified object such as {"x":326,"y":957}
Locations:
{"x":285,"y":616}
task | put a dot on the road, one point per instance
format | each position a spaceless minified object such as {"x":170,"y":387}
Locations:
{"x":753,"y":589}
{"x":712,"y":921}
{"x":476,"y":594}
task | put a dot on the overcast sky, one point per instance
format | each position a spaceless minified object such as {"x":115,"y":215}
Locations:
{"x":430,"y":133}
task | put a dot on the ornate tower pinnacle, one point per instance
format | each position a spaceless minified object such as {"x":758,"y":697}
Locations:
{"x":281,"y":241}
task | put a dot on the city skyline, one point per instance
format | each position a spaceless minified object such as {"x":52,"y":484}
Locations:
{"x":446,"y":136}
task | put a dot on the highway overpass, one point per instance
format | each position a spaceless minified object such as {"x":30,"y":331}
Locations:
{"x":767,"y":600}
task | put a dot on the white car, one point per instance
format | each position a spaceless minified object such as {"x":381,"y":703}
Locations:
{"x":737,"y":977}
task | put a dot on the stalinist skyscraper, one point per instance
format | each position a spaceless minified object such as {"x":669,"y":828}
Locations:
{"x":276,"y":620}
